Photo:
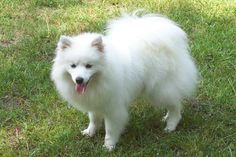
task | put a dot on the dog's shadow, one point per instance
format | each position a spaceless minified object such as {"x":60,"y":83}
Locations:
{"x":146,"y":126}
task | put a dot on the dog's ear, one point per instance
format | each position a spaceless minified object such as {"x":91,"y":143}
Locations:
{"x":98,"y":44}
{"x":64,"y":42}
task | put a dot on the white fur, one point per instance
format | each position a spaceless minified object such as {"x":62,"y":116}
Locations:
{"x":142,"y":55}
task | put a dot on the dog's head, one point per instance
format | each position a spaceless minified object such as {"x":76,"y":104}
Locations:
{"x":82,"y":57}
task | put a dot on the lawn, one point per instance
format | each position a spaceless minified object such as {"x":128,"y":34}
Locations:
{"x":35,"y":121}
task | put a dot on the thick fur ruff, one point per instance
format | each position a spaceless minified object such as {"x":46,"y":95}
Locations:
{"x":103,"y":74}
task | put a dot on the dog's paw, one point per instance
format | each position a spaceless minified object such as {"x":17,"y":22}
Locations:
{"x":88,"y":132}
{"x":169,"y":128}
{"x":109,"y":148}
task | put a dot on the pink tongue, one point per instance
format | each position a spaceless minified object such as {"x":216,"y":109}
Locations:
{"x":80,"y":88}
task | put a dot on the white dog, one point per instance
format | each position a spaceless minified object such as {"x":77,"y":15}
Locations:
{"x":103,"y":74}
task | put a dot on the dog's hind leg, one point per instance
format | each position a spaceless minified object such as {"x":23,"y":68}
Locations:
{"x":172,"y":117}
{"x":95,"y":123}
{"x":170,"y":101}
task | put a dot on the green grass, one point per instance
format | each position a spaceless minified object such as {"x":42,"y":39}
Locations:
{"x":34,"y":121}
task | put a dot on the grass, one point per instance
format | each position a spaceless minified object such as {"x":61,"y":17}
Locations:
{"x":34,"y":121}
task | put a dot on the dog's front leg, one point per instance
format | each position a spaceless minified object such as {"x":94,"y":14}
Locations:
{"x":95,"y":123}
{"x":115,"y":123}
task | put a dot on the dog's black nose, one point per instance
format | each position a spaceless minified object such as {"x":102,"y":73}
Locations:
{"x":79,"y":80}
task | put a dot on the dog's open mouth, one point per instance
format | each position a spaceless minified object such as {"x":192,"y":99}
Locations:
{"x":80,"y":88}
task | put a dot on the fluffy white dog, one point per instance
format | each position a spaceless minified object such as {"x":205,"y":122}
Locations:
{"x":103,"y":74}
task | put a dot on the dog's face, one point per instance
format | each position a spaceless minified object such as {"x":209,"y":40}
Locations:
{"x":83,"y":57}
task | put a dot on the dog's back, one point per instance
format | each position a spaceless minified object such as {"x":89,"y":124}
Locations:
{"x":161,"y":47}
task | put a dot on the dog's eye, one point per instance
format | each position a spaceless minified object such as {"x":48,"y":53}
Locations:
{"x":88,"y":66}
{"x":73,"y":65}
